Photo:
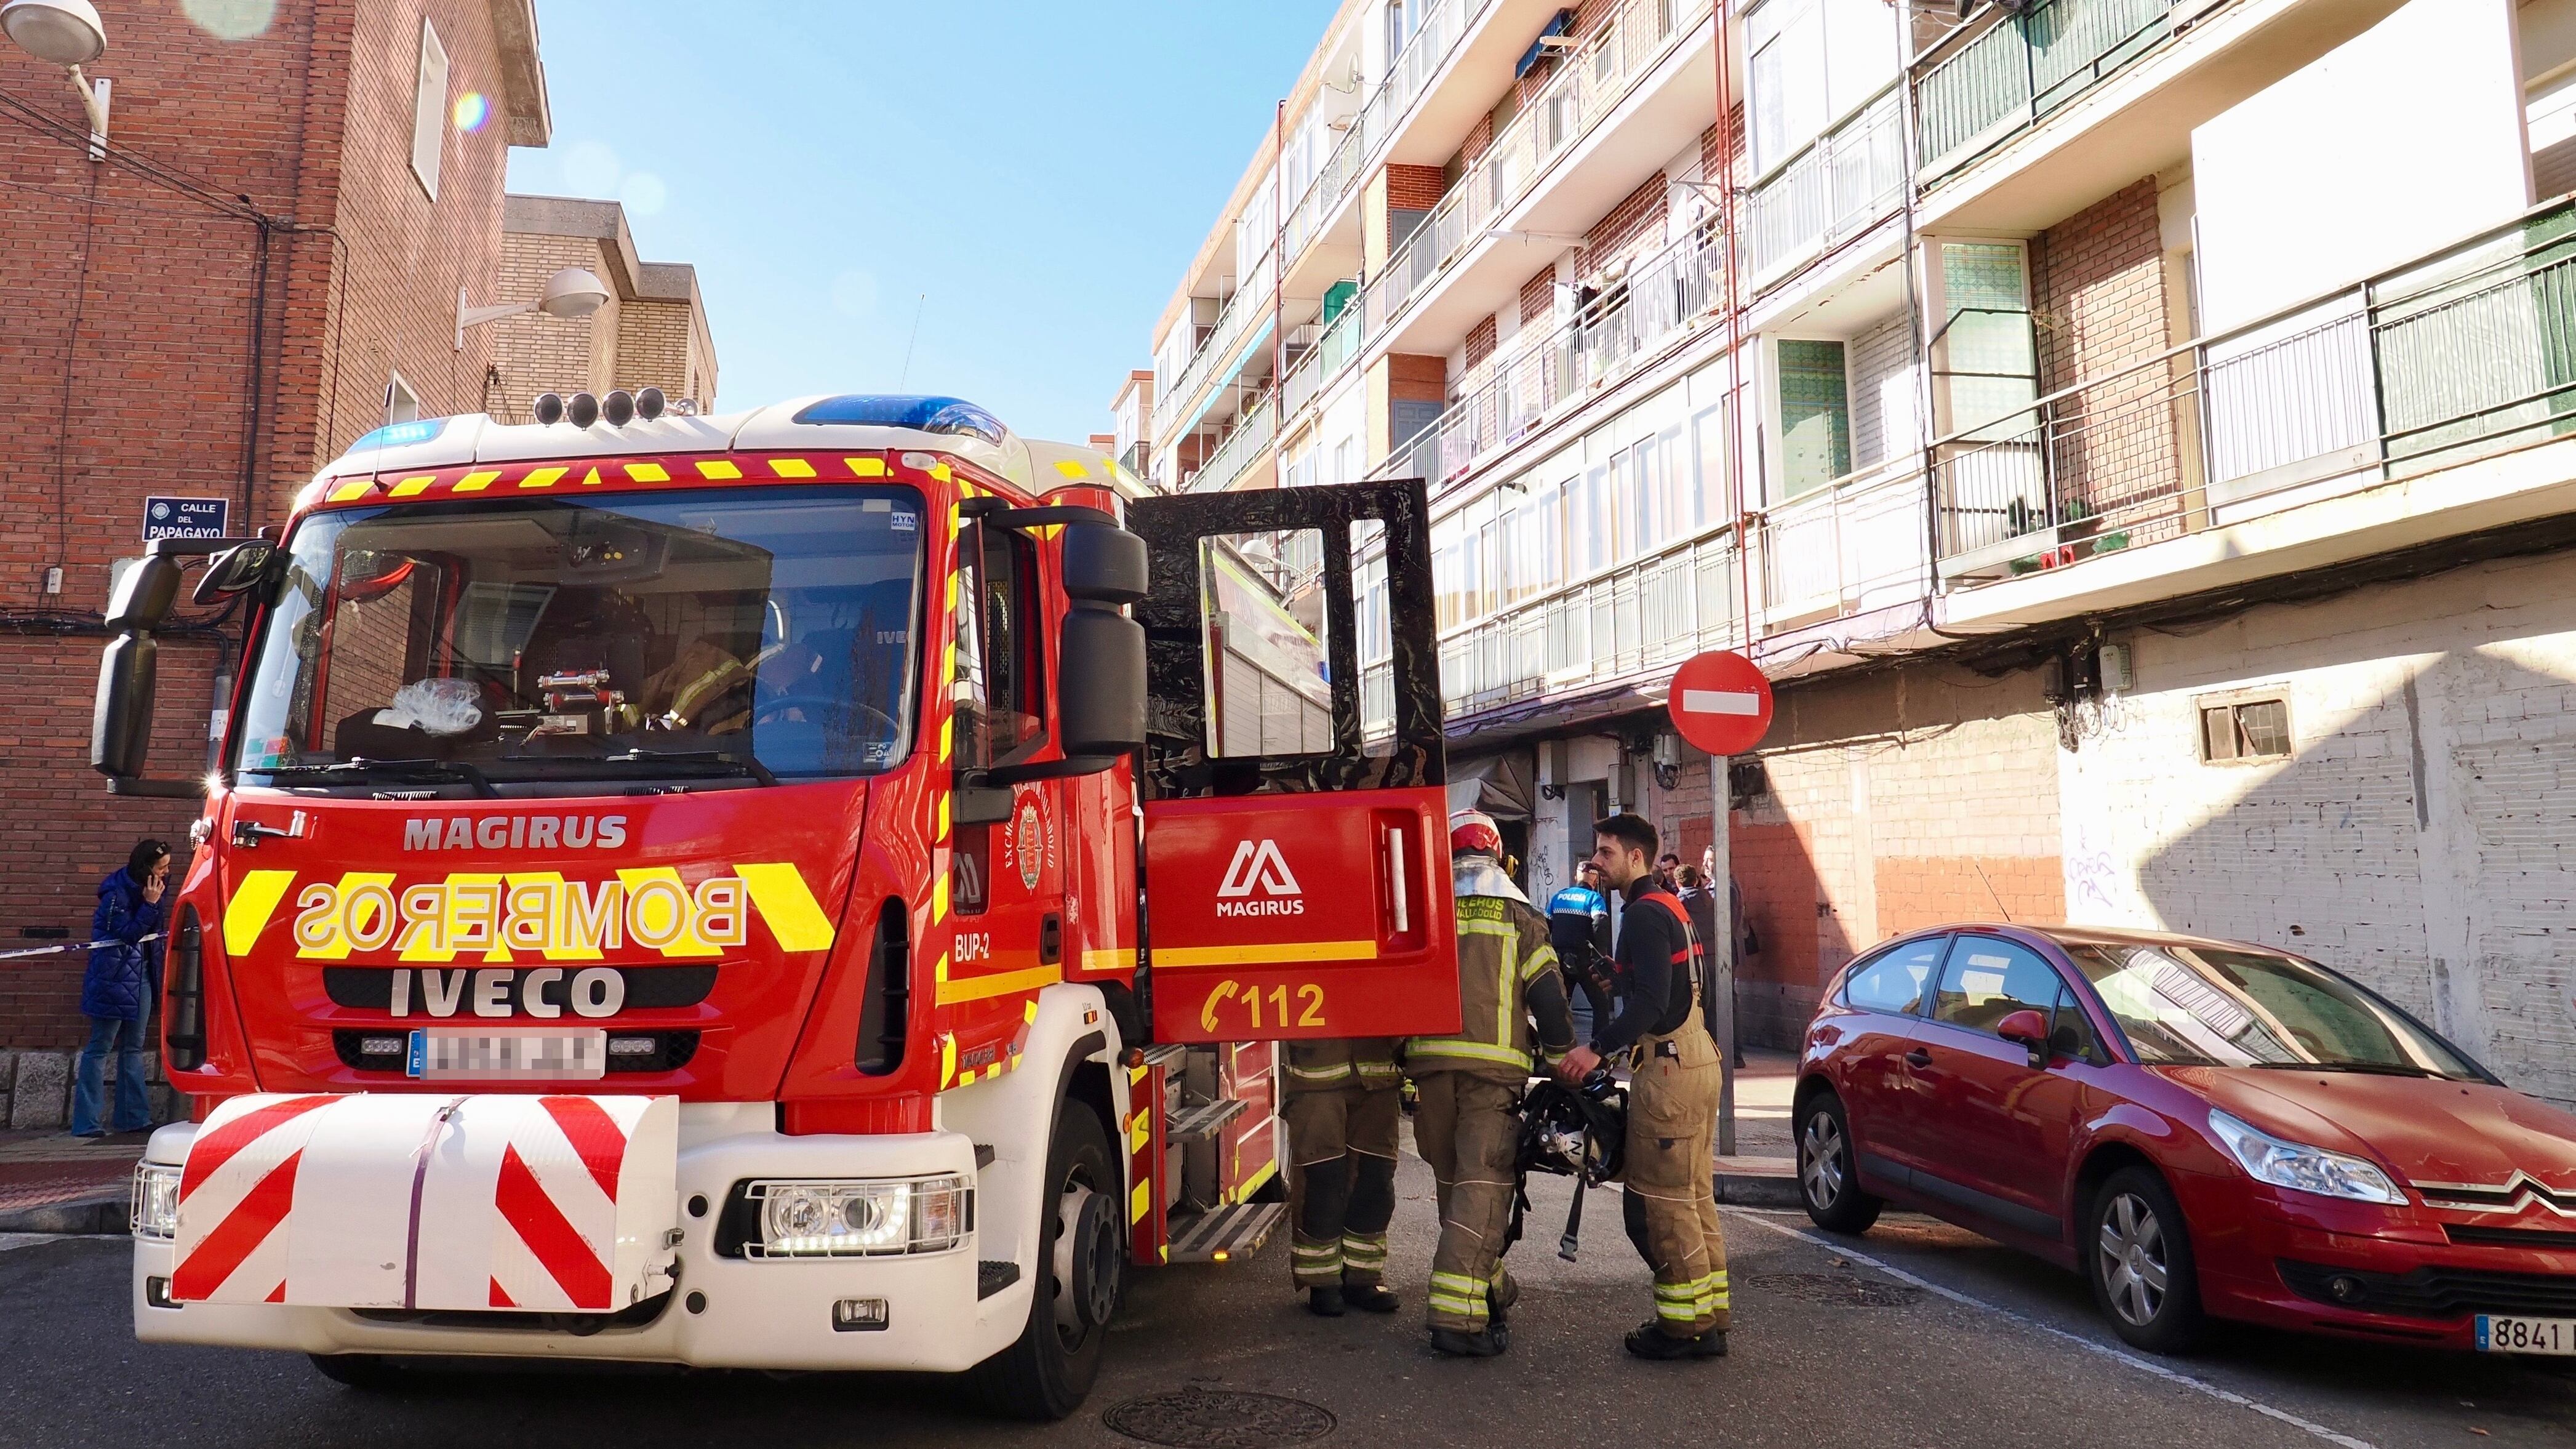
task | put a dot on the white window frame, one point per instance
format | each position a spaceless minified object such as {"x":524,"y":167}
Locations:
{"x":402,"y":400}
{"x":429,"y":110}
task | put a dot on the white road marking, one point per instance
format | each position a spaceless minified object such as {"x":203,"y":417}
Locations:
{"x":2345,"y":1441}
{"x":1721,"y":701}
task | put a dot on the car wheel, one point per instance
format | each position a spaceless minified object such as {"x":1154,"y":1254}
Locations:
{"x":1082,"y":1257}
{"x":2139,"y":1249}
{"x":1828,"y":1182}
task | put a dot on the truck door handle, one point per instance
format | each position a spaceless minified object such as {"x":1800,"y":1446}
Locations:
{"x":1050,"y":939}
{"x":1918,"y":1058}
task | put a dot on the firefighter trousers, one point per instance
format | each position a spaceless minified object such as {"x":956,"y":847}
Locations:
{"x":1467,"y":1128}
{"x":1341,"y":1193}
{"x":1670,"y":1209}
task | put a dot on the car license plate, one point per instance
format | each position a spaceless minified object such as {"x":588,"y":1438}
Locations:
{"x":2499,"y":1334}
{"x":523,"y":1055}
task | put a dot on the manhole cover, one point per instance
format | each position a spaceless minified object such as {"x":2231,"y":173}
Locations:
{"x":1219,"y":1419}
{"x":1839,"y":1290}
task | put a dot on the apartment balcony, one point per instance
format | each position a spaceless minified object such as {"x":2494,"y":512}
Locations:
{"x":1849,"y":548}
{"x":1219,"y":359}
{"x":1519,"y":174}
{"x":1234,"y":458}
{"x":1312,"y":374}
{"x":1538,"y":375}
{"x":2023,"y":119}
{"x":2433,"y":400}
{"x":1839,"y":186}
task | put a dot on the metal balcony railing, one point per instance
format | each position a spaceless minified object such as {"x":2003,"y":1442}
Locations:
{"x":2021,"y":67}
{"x":1424,"y":52}
{"x":1237,"y":453}
{"x":2466,"y":352}
{"x":1854,"y":546}
{"x":1844,"y":182}
{"x":1249,"y":304}
{"x":1517,"y":390}
{"x":1588,"y":85}
{"x":1322,"y":363}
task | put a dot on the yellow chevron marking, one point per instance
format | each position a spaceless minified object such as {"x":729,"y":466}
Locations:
{"x":780,"y":894}
{"x":412,"y":487}
{"x":254,"y":901}
{"x":1140,"y":1200}
{"x":1071,"y":469}
{"x":942,"y":836}
{"x":334,"y":942}
{"x":590,"y":479}
{"x":688,"y":942}
{"x":355,"y":488}
{"x":648,"y":473}
{"x":943,"y":473}
{"x":476,"y":482}
{"x":866,"y":467}
{"x":947,"y":1060}
{"x":939,"y":899}
{"x":543,"y":478}
{"x":719,"y":469}
{"x":791,"y":467}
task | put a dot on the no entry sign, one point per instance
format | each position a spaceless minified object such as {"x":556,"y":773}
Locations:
{"x":1721,"y":702}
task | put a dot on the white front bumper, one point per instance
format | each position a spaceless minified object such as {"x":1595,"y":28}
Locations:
{"x":725,"y":1312}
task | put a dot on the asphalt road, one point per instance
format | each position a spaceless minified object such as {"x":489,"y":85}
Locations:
{"x":1971,"y":1346}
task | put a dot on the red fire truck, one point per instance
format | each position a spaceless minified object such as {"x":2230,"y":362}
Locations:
{"x":807,"y":889}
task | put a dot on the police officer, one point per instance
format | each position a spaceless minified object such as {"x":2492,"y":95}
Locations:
{"x":1578,"y":926}
{"x":1343,"y":1102}
{"x":1467,"y":1122}
{"x":1672,"y":1100}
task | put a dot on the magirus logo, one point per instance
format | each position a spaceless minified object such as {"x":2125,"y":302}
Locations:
{"x":1259,"y":867}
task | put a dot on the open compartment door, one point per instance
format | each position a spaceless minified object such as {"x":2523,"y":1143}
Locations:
{"x":1296,"y":825}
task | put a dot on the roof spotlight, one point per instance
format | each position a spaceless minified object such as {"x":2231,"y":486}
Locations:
{"x":549,"y":408}
{"x":584,"y":410}
{"x":618,"y":407}
{"x":649,"y":404}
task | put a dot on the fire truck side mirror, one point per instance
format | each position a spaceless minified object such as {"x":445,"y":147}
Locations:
{"x":245,"y":565}
{"x":120,"y":726}
{"x":1100,"y":684}
{"x":1103,"y":564}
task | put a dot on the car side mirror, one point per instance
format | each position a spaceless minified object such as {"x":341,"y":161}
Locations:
{"x":2030,"y":1028}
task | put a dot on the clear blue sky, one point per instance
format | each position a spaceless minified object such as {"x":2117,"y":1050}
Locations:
{"x":1042,"y":169}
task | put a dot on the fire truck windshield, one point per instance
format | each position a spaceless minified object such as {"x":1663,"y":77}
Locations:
{"x":766,"y":630}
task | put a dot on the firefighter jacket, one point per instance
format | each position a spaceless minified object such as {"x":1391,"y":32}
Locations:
{"x":1331,"y":1065}
{"x":1506,"y":972}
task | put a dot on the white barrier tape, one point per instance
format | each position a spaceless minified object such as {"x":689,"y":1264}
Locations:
{"x":81,"y":946}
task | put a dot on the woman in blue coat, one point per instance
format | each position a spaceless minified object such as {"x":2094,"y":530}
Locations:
{"x":117,"y":993}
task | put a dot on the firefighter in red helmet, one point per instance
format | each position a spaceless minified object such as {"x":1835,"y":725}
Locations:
{"x":1467,"y":1122}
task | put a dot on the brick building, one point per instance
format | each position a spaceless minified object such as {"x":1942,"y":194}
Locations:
{"x":263,"y":267}
{"x":652,"y":332}
{"x":2131,"y":434}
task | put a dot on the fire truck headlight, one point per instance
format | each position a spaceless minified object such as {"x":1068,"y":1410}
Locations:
{"x":859,"y":1219}
{"x":156,"y":1201}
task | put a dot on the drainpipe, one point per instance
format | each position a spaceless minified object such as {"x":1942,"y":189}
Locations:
{"x":1727,"y":146}
{"x":1278,"y":292}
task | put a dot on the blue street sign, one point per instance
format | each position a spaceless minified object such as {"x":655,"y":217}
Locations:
{"x":184,"y":517}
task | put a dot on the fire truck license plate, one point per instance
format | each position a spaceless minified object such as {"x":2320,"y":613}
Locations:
{"x":524,"y":1055}
{"x":2499,"y":1334}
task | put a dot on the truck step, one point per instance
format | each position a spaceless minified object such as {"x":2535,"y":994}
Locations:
{"x":1200,"y":1123}
{"x":992,"y":1276}
{"x":1228,"y":1234}
{"x":1163,"y":1052}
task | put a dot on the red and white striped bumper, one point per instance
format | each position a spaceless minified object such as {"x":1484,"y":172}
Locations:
{"x":429,"y":1202}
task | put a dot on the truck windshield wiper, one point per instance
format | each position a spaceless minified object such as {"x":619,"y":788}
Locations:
{"x":363,"y":768}
{"x":720,"y":762}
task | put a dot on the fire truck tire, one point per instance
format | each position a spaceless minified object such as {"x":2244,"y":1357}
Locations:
{"x":368,"y":1372}
{"x":1081,"y":1255}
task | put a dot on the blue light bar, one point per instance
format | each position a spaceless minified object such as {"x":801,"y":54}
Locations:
{"x":899,"y":410}
{"x":395,"y":435}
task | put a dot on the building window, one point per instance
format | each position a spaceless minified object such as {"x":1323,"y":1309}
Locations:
{"x":1814,"y":62}
{"x":2239,"y":729}
{"x":429,"y":110}
{"x":1815,"y":415}
{"x":402,"y":405}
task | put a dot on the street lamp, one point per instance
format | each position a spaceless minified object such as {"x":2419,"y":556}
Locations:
{"x":66,"y":33}
{"x":572,"y":292}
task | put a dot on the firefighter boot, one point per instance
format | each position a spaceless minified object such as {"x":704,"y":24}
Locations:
{"x":1488,"y":1342}
{"x":1369,"y":1297}
{"x":1649,"y":1340}
{"x":1324,"y":1301}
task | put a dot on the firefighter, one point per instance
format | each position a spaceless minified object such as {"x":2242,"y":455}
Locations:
{"x":1343,"y":1102}
{"x":1467,"y":1125}
{"x":1670,"y":1208}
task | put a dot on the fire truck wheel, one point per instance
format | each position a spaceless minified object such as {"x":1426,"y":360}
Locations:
{"x":366,"y":1371}
{"x":1082,"y":1256}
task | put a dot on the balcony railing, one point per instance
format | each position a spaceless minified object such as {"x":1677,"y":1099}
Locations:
{"x":1425,"y":51}
{"x":1588,"y":85}
{"x":1237,"y":452}
{"x":2466,"y":352}
{"x":1632,"y":621}
{"x":1249,"y":304}
{"x":1843,"y":183}
{"x":1516,"y":391}
{"x":2022,"y":67}
{"x":1322,"y":363}
{"x":1855,"y":546}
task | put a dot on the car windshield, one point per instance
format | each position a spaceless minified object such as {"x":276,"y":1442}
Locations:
{"x":765,"y":632}
{"x":2208,"y":1006}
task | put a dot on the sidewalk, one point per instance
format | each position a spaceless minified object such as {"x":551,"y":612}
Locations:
{"x":53,"y":1182}
{"x":1764,"y":1170}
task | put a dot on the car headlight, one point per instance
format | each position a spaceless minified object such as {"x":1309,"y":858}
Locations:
{"x":156,"y":1201}
{"x":2301,"y":1168}
{"x":810,"y":1219}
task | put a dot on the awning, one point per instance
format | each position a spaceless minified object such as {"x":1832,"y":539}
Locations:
{"x":1499,"y":785}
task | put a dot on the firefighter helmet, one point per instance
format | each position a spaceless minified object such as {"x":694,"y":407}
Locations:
{"x":1474,"y":830}
{"x":1579,"y":1131}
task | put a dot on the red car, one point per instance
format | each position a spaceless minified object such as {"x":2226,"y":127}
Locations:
{"x":2201,"y":1128}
